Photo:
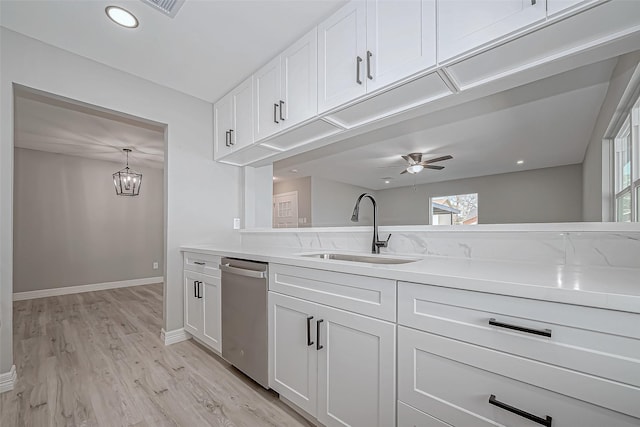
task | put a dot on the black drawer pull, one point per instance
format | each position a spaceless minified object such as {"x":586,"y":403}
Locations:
{"x":318,"y":346}
{"x":543,"y":332}
{"x":309,"y":342}
{"x":544,"y":421}
{"x":198,"y":262}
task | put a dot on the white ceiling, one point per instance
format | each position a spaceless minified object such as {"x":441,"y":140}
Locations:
{"x":51,"y":124}
{"x":545,"y":123}
{"x":208,"y":48}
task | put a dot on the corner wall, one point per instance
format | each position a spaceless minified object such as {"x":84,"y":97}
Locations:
{"x":201,"y":196}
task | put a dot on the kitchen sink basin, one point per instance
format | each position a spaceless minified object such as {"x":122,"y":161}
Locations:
{"x":371,"y":259}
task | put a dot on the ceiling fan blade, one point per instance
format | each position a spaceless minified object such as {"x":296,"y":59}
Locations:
{"x":434,"y":167}
{"x":409,"y":160}
{"x":437,"y":159}
{"x":404,"y":171}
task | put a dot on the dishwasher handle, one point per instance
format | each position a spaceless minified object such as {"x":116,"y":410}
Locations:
{"x":242,"y":272}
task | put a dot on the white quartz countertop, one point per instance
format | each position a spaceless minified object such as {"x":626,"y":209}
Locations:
{"x":603,"y":287}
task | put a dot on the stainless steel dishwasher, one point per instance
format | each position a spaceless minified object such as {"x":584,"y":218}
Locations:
{"x":244,"y":317}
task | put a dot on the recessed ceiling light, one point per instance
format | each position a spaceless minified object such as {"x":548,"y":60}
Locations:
{"x":386,"y":181}
{"x":294,"y":171}
{"x":520,"y":162}
{"x":121,"y":16}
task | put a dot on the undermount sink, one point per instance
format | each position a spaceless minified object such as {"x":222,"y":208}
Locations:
{"x":371,"y":259}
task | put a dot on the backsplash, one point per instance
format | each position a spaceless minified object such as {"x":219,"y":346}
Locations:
{"x":593,"y":248}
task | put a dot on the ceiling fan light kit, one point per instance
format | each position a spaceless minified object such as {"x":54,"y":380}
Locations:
{"x":416,"y":164}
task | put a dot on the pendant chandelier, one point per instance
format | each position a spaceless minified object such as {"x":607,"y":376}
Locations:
{"x":127,"y":182}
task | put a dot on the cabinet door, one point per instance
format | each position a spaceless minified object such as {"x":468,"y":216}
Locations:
{"x":242,"y":133}
{"x":267,"y":103}
{"x":341,"y":56}
{"x":401,"y":40}
{"x":300,"y":80}
{"x":293,"y":356}
{"x":211,"y":314}
{"x":356,"y":370}
{"x":222,"y":123}
{"x":192,"y":304}
{"x":466,"y":24}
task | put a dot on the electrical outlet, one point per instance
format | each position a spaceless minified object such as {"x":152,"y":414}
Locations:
{"x":236,"y":223}
{"x":155,"y":265}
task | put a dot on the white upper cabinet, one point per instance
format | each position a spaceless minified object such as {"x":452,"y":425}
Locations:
{"x":464,"y":25}
{"x":286,"y":88}
{"x":268,"y":100}
{"x":233,"y":120}
{"x":299,"y":76}
{"x":401,"y":40}
{"x":342,"y":49}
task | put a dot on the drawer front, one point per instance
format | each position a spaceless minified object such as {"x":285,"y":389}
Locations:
{"x":408,"y":416}
{"x":583,"y":339}
{"x":202,"y":263}
{"x":453,"y":381}
{"x":370,"y":296}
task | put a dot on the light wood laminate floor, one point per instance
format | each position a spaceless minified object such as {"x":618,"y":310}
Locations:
{"x":96,"y":359}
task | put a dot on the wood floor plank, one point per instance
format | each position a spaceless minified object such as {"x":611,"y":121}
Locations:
{"x":96,"y":359}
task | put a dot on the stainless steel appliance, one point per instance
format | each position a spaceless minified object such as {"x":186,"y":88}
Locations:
{"x":244,"y":317}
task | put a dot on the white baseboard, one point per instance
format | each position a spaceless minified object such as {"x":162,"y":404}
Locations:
{"x":175,"y":336}
{"x":19,"y":296}
{"x":8,"y":380}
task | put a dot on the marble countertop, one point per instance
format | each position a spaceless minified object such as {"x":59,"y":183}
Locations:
{"x":603,"y":287}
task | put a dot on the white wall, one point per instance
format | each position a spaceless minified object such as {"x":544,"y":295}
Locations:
{"x":537,"y":195}
{"x":202,"y":197}
{"x":70,"y":228}
{"x":332,"y":203}
{"x":303,"y":187}
{"x":597,"y":197}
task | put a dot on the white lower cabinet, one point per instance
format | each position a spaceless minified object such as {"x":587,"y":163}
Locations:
{"x":336,"y":365}
{"x":202,"y":308}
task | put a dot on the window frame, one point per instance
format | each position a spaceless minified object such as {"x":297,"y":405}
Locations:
{"x":630,"y":124}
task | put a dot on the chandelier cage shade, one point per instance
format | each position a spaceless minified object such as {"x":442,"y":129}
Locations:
{"x":127,"y":181}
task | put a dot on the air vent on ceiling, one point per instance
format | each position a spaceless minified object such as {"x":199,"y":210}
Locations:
{"x":168,"y":7}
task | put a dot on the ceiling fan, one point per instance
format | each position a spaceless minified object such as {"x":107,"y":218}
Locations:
{"x":416,"y":164}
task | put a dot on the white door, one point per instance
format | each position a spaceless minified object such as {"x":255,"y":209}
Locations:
{"x":285,"y":210}
{"x":222,"y":123}
{"x":401,"y":40}
{"x":293,"y":352}
{"x":466,"y":24}
{"x":356,"y":370}
{"x":268,"y":100}
{"x":242,"y":133}
{"x":342,"y":43}
{"x":300,"y":80}
{"x":192,"y":303}
{"x":212,"y":313}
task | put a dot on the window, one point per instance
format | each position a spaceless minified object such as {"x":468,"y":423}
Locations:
{"x":460,"y":209}
{"x":626,"y":168}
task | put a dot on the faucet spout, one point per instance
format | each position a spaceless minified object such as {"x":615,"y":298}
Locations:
{"x":376,"y":244}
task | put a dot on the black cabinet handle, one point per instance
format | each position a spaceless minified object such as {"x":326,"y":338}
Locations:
{"x":544,"y":421}
{"x":543,"y":332}
{"x":309,"y":342}
{"x":275,"y":113}
{"x":369,"y":55}
{"x":199,"y":289}
{"x":195,"y":289}
{"x":281,"y":105}
{"x":231,"y":138}
{"x":318,"y":346}
{"x":226,"y":138}
{"x":358,"y":61}
{"x":198,"y":262}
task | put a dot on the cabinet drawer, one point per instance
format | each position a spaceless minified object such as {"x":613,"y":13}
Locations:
{"x":453,"y":381}
{"x":604,"y":343}
{"x":202,"y":263}
{"x":370,"y":296}
{"x":408,"y":416}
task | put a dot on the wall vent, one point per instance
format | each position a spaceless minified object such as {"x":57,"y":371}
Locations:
{"x":168,"y":7}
